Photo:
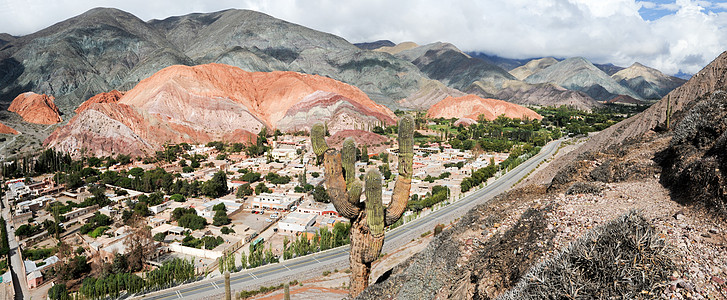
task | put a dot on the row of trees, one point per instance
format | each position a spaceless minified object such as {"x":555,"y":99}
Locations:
{"x":439,"y":194}
{"x":172,"y":272}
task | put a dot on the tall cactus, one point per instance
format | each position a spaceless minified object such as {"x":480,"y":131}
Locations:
{"x":368,"y":218}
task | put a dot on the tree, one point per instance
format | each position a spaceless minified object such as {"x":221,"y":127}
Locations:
{"x":365,"y":154}
{"x":178,"y":198}
{"x":251,"y":177}
{"x":320,"y":194}
{"x":192,"y":221}
{"x":244,"y":190}
{"x":220,"y":218}
{"x":120,"y":264}
{"x":261,"y":188}
{"x":141,"y":247}
{"x":217,"y":186}
{"x":58,"y":292}
{"x":160,"y":236}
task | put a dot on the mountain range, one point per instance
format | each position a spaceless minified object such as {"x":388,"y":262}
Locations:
{"x":213,"y":102}
{"x":107,"y":49}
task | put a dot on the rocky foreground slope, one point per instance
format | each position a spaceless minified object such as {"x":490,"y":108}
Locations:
{"x":213,"y":102}
{"x":36,"y":108}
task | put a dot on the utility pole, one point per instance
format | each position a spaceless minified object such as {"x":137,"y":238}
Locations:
{"x":228,"y":295}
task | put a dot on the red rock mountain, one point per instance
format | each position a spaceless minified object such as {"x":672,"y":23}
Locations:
{"x":36,"y":108}
{"x":471,"y":106}
{"x":213,"y":102}
{"x":5,"y":129}
{"x":110,"y":97}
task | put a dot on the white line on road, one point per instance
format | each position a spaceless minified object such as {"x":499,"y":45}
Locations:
{"x":286,"y":267}
{"x":316,"y":259}
{"x":215,"y":285}
{"x":179,"y":294}
{"x":252,"y":275}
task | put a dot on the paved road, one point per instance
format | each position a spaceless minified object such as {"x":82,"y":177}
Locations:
{"x":19,"y":279}
{"x":313,"y":265}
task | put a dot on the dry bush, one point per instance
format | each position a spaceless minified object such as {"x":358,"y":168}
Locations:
{"x":623,"y":259}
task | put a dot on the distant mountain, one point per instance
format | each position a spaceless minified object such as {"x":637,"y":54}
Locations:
{"x":502,"y":62}
{"x":683,"y":75}
{"x":5,"y":39}
{"x":626,"y":100}
{"x":454,"y":68}
{"x":649,"y":83}
{"x":609,"y":69}
{"x":532,"y":67}
{"x":94,"y":52}
{"x":429,"y":94}
{"x":472,"y":106}
{"x":213,"y":102}
{"x":255,"y":41}
{"x":393,"y":50}
{"x":375,"y":45}
{"x":579,"y":74}
{"x":545,"y":94}
{"x":105,"y":49}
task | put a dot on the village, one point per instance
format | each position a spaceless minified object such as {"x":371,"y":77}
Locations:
{"x":270,"y":213}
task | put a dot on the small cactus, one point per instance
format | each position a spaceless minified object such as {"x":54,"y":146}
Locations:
{"x":368,"y":219}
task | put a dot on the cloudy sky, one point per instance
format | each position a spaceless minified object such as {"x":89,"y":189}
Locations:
{"x":672,"y":36}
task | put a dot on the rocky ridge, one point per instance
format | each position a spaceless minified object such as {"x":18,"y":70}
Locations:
{"x":545,"y":94}
{"x":36,"y":108}
{"x":109,"y":97}
{"x":532,"y":67}
{"x":579,"y":74}
{"x":649,"y":83}
{"x":472,"y":106}
{"x":5,"y":129}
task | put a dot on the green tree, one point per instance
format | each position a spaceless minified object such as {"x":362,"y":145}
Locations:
{"x":320,"y":194}
{"x":244,"y":190}
{"x":220,"y":218}
{"x":192,"y":221}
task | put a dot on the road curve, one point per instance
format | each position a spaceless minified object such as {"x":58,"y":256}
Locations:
{"x":313,"y":265}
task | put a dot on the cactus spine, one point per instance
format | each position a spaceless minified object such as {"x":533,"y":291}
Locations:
{"x":368,"y":219}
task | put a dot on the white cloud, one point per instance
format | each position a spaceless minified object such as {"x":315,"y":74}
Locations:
{"x":603,"y":31}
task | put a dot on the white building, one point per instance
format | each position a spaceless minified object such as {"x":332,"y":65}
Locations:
{"x":159,"y":208}
{"x":296,"y":222}
{"x":275,"y":201}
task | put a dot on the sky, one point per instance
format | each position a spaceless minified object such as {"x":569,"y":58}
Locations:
{"x":670,"y":35}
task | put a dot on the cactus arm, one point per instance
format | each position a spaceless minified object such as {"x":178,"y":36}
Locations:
{"x":374,"y":205}
{"x":337,"y":185}
{"x":400,"y":196}
{"x":355,"y":188}
{"x":348,"y":157}
{"x":318,"y":139}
